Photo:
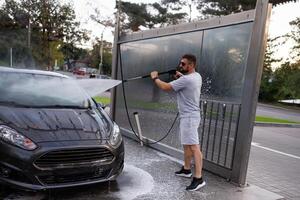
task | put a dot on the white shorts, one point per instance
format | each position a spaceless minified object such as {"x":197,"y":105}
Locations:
{"x":189,"y":130}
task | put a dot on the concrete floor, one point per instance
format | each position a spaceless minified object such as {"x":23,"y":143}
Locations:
{"x":148,"y":174}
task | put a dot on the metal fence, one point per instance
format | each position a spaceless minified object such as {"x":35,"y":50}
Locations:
{"x":218,"y":131}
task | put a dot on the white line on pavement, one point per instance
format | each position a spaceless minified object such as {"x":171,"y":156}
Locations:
{"x":273,"y":150}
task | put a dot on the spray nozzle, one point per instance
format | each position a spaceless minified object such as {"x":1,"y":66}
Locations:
{"x":171,"y":72}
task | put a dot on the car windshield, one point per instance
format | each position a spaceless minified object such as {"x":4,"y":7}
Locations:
{"x":35,"y":90}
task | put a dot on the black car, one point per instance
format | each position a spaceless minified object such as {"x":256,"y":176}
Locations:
{"x":52,"y":134}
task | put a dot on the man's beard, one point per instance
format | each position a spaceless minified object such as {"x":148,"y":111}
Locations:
{"x":181,"y":70}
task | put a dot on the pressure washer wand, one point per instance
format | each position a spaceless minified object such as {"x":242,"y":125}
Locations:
{"x":172,"y":72}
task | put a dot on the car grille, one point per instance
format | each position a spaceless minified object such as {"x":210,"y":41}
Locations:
{"x":65,"y":158}
{"x":74,"y":178}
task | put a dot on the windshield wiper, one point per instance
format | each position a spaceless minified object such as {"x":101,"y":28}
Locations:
{"x":13,"y":103}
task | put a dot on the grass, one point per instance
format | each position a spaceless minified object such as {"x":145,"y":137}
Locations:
{"x":265,"y":119}
{"x":152,"y":105}
{"x":139,"y":104}
{"x":4,"y":64}
{"x":103,"y":100}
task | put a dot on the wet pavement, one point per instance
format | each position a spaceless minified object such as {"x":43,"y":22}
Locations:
{"x":275,"y":160}
{"x":148,"y":174}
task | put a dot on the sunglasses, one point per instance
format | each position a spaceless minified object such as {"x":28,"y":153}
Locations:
{"x":182,"y":64}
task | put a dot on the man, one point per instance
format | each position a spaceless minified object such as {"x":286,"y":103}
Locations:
{"x":187,"y":87}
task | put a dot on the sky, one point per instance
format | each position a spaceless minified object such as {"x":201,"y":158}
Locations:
{"x":279,"y":25}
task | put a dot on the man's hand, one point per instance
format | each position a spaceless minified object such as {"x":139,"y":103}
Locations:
{"x":178,"y":74}
{"x":161,"y":84}
{"x":154,"y":74}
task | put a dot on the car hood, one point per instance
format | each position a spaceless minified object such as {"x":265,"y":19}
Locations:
{"x":47,"y":125}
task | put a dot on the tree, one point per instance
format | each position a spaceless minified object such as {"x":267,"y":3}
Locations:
{"x":135,"y":16}
{"x":50,"y":22}
{"x":73,"y":52}
{"x":178,"y":5}
{"x":267,"y":91}
{"x":107,"y":55}
{"x":13,"y":35}
{"x":224,"y":7}
{"x":166,"y":17}
{"x":286,"y":81}
{"x":295,"y":35}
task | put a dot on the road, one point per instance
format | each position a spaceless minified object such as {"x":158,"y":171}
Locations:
{"x":278,"y":112}
{"x":275,"y":160}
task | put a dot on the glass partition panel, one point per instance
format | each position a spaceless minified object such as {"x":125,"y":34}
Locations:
{"x":222,"y":67}
{"x":222,"y":55}
{"x":223,"y":61}
{"x":157,"y":109}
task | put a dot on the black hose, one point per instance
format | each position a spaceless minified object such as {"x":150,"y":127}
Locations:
{"x":126,"y":108}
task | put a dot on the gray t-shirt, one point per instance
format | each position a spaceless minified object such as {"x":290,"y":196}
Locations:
{"x":188,"y":90}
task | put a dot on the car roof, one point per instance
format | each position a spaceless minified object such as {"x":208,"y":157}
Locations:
{"x":31,"y":71}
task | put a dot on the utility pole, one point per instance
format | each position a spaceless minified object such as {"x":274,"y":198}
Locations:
{"x":29,"y":33}
{"x":11,"y":57}
{"x":101,"y":52}
{"x":190,"y":7}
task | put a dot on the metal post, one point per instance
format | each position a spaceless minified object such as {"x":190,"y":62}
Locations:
{"x":29,"y":33}
{"x":190,"y":7}
{"x":114,"y":72}
{"x":11,"y":56}
{"x":55,"y":64}
{"x":250,"y":92}
{"x":101,"y":53}
{"x":137,"y":120}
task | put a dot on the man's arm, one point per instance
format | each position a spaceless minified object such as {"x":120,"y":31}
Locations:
{"x":161,"y":84}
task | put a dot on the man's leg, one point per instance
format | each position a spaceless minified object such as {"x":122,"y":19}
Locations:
{"x":185,"y":171}
{"x":197,"y":181}
{"x":188,"y":155}
{"x":195,"y":149}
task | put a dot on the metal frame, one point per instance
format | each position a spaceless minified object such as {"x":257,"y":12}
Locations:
{"x":260,"y":17}
{"x":250,"y":91}
{"x":215,"y":22}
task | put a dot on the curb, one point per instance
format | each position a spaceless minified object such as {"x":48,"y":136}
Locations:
{"x":262,"y":124}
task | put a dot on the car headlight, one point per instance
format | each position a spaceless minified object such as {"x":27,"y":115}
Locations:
{"x":115,"y":137}
{"x":11,"y":136}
